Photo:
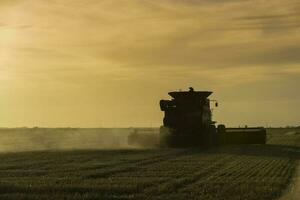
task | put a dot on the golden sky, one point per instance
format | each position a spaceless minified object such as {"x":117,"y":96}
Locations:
{"x":91,"y":63}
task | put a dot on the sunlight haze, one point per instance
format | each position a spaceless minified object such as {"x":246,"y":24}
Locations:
{"x":91,"y":63}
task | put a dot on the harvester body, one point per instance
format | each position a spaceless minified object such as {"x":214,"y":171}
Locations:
{"x":188,"y":122}
{"x":188,"y":119}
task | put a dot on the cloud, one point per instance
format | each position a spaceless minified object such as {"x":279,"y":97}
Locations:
{"x":105,"y":49}
{"x":280,"y":56}
{"x":270,"y":23}
{"x":161,"y":34}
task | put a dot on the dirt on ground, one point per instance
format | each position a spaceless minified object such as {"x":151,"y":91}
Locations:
{"x":293,"y":192}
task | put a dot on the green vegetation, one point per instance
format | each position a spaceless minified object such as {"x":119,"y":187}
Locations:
{"x":229,"y":172}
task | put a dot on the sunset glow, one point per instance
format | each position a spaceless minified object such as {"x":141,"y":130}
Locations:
{"x":107,"y":63}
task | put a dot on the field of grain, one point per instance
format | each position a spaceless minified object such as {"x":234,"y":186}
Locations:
{"x":228,"y":172}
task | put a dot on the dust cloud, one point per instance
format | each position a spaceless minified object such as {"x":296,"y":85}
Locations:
{"x":36,"y":139}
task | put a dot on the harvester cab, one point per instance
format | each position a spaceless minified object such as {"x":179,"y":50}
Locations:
{"x":188,"y":122}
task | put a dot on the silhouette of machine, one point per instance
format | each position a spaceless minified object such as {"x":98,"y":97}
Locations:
{"x":188,"y":122}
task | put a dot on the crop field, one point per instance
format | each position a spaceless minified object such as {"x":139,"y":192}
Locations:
{"x":227,"y":172}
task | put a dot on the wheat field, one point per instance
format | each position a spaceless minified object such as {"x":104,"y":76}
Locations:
{"x":248,"y":172}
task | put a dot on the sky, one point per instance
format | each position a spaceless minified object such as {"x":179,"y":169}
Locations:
{"x":91,"y":63}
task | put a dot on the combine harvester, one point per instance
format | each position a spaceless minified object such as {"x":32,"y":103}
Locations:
{"x":188,"y":122}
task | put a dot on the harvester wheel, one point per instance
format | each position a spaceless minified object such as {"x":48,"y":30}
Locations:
{"x":221,"y":128}
{"x":213,"y":137}
{"x":164,"y":136}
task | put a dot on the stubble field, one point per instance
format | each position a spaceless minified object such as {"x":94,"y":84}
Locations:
{"x":228,"y":172}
